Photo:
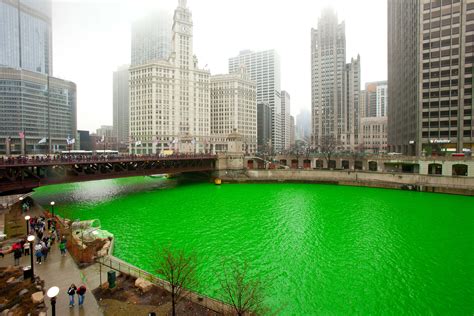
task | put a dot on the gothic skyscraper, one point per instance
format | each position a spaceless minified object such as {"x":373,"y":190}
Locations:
{"x":335,"y":85}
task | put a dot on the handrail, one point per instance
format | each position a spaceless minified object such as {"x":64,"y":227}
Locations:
{"x":121,"y":266}
{"x":19,"y":161}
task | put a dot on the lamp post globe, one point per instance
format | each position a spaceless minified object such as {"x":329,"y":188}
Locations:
{"x":52,"y":208}
{"x":27,"y":220}
{"x":52,"y":294}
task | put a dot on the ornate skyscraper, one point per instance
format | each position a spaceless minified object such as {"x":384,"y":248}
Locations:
{"x":335,"y":85}
{"x":170,"y":98}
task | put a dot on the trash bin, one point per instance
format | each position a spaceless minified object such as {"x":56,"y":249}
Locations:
{"x":27,"y":272}
{"x":111,"y":279}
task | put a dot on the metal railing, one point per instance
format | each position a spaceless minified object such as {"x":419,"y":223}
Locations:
{"x":124,"y":267}
{"x":16,"y":161}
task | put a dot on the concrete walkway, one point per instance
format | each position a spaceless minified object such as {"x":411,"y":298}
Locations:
{"x":62,"y":272}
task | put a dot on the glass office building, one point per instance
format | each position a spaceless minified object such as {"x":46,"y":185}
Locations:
{"x":25,"y":35}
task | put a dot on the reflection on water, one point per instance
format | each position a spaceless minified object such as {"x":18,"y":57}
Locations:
{"x":326,"y":249}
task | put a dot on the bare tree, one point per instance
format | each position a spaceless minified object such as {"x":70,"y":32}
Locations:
{"x":179,"y":270}
{"x":243,"y":293}
{"x":328,"y":147}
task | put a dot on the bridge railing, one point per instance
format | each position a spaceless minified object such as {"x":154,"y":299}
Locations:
{"x":68,"y":159}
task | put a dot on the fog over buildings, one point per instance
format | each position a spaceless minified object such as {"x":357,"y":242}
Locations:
{"x":96,"y":35}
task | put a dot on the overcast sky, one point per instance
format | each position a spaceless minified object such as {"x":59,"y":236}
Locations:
{"x":91,"y":38}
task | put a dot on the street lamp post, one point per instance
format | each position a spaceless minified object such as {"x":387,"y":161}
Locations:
{"x":52,"y":208}
{"x":27,"y":219}
{"x":31,"y":239}
{"x":52,"y":293}
{"x":21,"y":203}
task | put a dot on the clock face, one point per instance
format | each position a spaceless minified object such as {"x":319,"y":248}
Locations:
{"x":184,"y":29}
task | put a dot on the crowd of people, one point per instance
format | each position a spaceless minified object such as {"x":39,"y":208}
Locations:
{"x":46,"y":234}
{"x":17,"y":160}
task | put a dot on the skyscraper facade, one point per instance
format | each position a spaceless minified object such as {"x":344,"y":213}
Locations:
{"x":121,"y":105}
{"x":264,"y":127}
{"x":303,"y":125}
{"x":292,"y":131}
{"x":351,"y":111}
{"x":37,"y":111}
{"x":264,"y":68}
{"x":430,"y":61}
{"x":26,"y":35}
{"x":170,"y":98}
{"x":285,"y":120}
{"x":375,"y":99}
{"x":151,"y":38}
{"x":335,"y":85}
{"x":234,"y":108}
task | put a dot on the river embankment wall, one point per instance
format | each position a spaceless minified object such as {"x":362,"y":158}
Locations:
{"x":425,"y":183}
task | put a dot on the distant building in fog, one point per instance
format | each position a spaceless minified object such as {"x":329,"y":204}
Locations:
{"x":151,"y":38}
{"x":264,"y":126}
{"x":121,"y":106}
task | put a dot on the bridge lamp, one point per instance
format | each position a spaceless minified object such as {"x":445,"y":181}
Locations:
{"x":27,"y":219}
{"x":52,"y":294}
{"x":52,"y":208}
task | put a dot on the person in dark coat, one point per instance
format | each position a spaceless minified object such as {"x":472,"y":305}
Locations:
{"x":71,"y":292}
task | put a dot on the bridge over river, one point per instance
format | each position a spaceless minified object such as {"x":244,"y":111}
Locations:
{"x":20,"y":175}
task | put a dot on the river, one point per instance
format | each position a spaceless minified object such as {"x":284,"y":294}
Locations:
{"x":322,"y":249}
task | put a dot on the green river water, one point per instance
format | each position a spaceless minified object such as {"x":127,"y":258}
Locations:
{"x":325,"y":249}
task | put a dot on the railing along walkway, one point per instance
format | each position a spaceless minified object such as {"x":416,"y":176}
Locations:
{"x":121,"y":266}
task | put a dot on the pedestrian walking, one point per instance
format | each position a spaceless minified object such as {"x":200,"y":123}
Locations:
{"x":17,"y":255}
{"x":38,"y":253}
{"x":80,"y":294}
{"x":62,"y":248}
{"x":71,"y":292}
{"x":45,"y":251}
{"x":26,"y":248}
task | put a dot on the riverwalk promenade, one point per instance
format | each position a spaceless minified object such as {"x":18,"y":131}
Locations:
{"x":62,"y":271}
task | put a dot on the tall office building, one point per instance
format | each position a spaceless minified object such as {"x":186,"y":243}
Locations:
{"x":292,"y":131}
{"x":382,"y":100}
{"x":37,"y":111}
{"x":151,"y":38}
{"x":303,"y":125}
{"x":351,"y":111}
{"x":373,"y":117}
{"x":264,"y":128}
{"x":264,"y":68}
{"x":285,"y":120}
{"x":376,"y":99}
{"x":121,"y":106}
{"x":430,"y":62}
{"x":170,"y":98}
{"x":234,"y":108}
{"x":26,"y":35}
{"x":335,"y":85}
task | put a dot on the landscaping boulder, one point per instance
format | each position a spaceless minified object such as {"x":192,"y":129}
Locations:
{"x":37,"y":297}
{"x":23,"y":292}
{"x":143,"y":285}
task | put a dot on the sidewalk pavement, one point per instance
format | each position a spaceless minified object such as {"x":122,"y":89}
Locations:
{"x":62,"y":271}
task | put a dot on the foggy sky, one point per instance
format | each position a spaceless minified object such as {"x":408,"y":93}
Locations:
{"x":91,"y":38}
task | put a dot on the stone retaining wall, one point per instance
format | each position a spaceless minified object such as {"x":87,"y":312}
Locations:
{"x":428,"y":183}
